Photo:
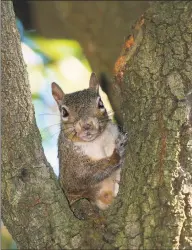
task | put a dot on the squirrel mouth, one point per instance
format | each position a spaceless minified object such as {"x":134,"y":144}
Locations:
{"x":87,"y":136}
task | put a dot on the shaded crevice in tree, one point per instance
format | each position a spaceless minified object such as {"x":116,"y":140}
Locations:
{"x":76,"y":21}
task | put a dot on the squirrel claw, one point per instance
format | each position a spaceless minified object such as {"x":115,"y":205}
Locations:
{"x":79,"y":214}
{"x":83,"y":209}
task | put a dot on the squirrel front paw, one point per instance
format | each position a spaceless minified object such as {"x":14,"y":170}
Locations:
{"x":83,"y":209}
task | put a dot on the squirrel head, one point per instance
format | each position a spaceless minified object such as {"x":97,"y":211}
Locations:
{"x":83,"y":114}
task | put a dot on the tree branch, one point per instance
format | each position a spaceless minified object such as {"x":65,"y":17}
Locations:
{"x":34,"y":208}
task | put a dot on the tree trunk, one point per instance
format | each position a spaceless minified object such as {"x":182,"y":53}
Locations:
{"x":153,"y":73}
{"x":34,"y":208}
{"x":153,"y":208}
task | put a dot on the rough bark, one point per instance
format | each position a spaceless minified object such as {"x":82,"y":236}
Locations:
{"x":34,"y":208}
{"x":153,"y":73}
{"x":153,"y":208}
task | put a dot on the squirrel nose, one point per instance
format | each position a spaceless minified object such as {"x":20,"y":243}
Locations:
{"x":86,"y":126}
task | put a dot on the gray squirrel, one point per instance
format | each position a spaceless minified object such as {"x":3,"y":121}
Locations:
{"x":90,"y":147}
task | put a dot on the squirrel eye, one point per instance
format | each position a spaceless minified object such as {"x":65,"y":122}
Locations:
{"x":64,"y":113}
{"x":100,"y":104}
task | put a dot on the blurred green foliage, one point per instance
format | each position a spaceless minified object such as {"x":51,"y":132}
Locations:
{"x":6,"y":240}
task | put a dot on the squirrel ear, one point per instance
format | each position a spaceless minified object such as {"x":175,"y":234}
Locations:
{"x":57,"y":92}
{"x":93,"y":82}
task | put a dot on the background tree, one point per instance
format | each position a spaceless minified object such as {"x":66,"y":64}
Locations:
{"x":153,"y":209}
{"x":91,"y":24}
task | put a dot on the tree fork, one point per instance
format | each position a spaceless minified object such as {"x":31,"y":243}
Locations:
{"x":153,"y":208}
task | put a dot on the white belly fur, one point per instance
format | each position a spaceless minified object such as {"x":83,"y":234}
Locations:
{"x":103,"y":146}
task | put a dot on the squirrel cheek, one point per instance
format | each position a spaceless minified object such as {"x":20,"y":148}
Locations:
{"x":95,"y":123}
{"x":65,"y":119}
{"x":102,"y":110}
{"x":78,"y":127}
